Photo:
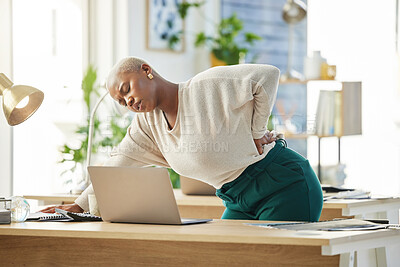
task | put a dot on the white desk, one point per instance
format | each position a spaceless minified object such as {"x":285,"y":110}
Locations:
{"x":363,"y":208}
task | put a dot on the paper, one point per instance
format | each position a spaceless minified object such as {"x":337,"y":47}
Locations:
{"x":334,"y":225}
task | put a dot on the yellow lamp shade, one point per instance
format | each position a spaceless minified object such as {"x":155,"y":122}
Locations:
{"x":12,"y":97}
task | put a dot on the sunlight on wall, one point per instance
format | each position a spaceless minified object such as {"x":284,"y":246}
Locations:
{"x":359,"y":37}
{"x":47,"y":55}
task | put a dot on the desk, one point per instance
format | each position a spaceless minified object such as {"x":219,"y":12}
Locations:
{"x":221,"y":242}
{"x":362,"y":209}
{"x":212,"y":207}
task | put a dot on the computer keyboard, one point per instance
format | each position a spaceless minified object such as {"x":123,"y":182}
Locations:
{"x":79,"y":217}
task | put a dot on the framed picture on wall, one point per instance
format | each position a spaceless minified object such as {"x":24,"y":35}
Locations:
{"x":164,"y":26}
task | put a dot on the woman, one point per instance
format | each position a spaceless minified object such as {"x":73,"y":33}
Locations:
{"x":213,"y":128}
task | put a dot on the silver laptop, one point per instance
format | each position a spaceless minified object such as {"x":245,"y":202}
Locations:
{"x":191,"y":186}
{"x":136,"y":195}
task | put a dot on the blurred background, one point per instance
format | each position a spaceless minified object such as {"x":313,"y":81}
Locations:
{"x":66,"y":48}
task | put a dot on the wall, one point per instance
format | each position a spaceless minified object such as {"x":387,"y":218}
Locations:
{"x":362,"y":45}
{"x":5,"y":129}
{"x":175,"y":67}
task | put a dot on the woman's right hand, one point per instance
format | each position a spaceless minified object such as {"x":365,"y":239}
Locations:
{"x":269,"y":137}
{"x":68,"y":207}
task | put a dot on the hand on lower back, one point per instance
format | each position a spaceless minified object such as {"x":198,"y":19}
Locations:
{"x":268,"y":138}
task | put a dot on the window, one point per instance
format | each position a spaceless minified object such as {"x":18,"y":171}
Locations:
{"x":47,"y":52}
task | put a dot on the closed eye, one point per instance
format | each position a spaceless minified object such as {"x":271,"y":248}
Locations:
{"x":122,"y":103}
{"x":125,"y":89}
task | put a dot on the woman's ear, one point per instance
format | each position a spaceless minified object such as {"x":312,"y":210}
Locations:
{"x":146,"y":68}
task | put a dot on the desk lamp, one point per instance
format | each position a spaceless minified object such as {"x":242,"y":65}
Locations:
{"x":91,"y":129}
{"x":82,"y":186}
{"x":19,"y":101}
{"x":293,"y":12}
{"x":85,"y":182}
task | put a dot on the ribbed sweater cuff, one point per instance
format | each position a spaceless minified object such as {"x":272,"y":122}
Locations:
{"x":82,"y":200}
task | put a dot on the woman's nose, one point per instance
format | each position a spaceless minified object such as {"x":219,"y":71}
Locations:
{"x":129,"y":101}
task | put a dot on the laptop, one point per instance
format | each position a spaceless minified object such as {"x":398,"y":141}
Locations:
{"x":191,"y":186}
{"x":136,"y":195}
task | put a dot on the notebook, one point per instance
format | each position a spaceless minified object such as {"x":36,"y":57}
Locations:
{"x":41,"y":216}
{"x":62,"y":216}
{"x":136,"y":195}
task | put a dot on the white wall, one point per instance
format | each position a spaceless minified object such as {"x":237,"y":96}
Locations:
{"x":5,"y":129}
{"x":359,"y":37}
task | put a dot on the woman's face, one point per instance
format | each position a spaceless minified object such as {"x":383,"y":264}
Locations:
{"x":135,"y":91}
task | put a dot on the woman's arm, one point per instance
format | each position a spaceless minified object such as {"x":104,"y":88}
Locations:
{"x":137,"y":149}
{"x":264,"y":93}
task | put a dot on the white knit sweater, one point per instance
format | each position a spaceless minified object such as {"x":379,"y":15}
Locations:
{"x":220,"y":112}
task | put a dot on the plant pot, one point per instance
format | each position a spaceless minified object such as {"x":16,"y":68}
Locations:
{"x":215,"y":61}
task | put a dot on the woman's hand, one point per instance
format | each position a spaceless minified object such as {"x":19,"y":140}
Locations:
{"x":69,"y":207}
{"x":268,"y":138}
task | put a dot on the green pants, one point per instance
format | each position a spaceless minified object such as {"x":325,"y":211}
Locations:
{"x":280,"y":187}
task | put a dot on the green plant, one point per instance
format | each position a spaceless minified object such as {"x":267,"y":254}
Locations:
{"x":224,"y":44}
{"x":174,"y":178}
{"x":77,"y":154}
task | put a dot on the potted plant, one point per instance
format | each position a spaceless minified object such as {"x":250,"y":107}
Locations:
{"x":223,"y":45}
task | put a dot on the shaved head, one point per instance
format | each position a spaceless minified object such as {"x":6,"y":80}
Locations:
{"x":126,"y":65}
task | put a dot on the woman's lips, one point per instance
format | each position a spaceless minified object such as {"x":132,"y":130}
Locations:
{"x":138,"y":105}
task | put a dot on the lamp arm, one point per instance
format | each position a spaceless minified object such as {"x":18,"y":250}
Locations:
{"x":5,"y":83}
{"x":90,"y":134}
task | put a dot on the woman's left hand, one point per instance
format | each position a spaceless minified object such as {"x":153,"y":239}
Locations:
{"x":268,"y":138}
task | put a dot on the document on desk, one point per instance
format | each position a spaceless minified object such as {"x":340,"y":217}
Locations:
{"x":353,"y":194}
{"x":334,"y":225}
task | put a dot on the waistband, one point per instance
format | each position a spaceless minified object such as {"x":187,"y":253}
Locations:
{"x":254,"y":169}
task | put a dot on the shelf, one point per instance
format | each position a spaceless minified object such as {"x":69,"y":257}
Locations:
{"x":294,"y":81}
{"x":304,"y":136}
{"x":296,"y":136}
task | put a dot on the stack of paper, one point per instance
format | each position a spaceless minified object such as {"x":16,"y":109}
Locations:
{"x":5,"y":216}
{"x":353,"y":194}
{"x":333,"y":225}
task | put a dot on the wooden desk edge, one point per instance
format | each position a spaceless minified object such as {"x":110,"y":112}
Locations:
{"x":228,"y":234}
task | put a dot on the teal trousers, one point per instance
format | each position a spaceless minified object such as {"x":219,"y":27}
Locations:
{"x":280,"y":187}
